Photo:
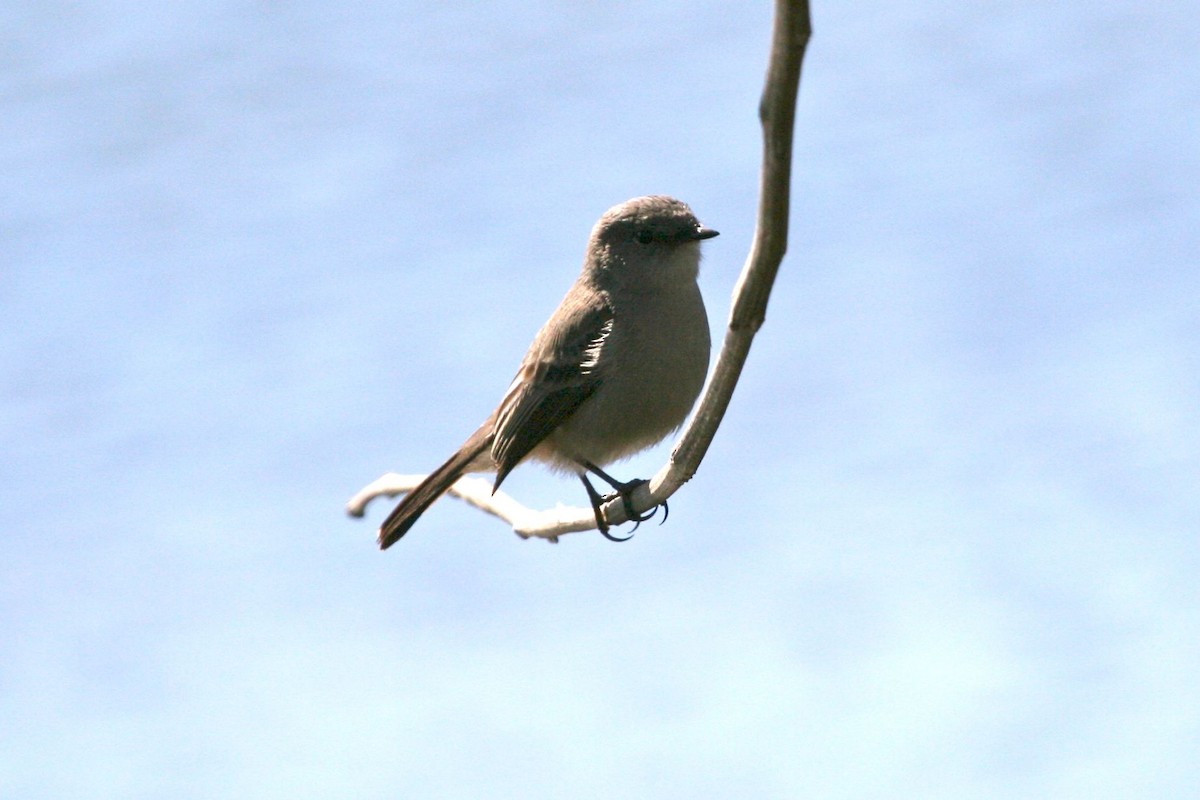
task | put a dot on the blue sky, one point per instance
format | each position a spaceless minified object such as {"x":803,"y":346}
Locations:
{"x":254,"y":255}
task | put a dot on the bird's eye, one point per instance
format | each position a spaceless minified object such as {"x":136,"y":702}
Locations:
{"x":645,"y":237}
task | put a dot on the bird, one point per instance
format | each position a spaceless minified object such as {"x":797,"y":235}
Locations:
{"x":615,"y":370}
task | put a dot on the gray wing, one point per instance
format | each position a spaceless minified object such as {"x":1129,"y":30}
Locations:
{"x":561,"y":370}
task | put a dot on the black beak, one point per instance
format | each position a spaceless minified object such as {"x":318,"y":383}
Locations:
{"x":704,"y":233}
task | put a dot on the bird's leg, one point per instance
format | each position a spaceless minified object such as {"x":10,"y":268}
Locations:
{"x":624,"y":490}
{"x":597,"y":501}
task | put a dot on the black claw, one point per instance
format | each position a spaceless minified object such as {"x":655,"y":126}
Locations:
{"x":596,"y":501}
{"x":604,"y":532}
{"x":623,"y":490}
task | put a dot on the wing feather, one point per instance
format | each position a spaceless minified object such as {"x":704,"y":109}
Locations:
{"x":562,"y":369}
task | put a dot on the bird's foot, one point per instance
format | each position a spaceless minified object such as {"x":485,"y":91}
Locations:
{"x":623,"y":490}
{"x":598,"y":502}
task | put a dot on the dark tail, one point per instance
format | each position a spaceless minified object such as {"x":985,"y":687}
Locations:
{"x":416,"y":502}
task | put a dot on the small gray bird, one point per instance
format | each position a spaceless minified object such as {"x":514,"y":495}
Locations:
{"x":612,"y":372}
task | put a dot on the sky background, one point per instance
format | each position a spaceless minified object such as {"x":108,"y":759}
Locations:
{"x":253,"y":255}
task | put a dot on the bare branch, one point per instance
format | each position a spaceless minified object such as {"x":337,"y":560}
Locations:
{"x":777,"y":112}
{"x":526,"y":522}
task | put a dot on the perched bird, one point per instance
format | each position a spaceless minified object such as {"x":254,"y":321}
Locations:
{"x":614,"y":370}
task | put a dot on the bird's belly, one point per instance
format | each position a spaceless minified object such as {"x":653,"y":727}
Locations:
{"x":647,"y":396}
